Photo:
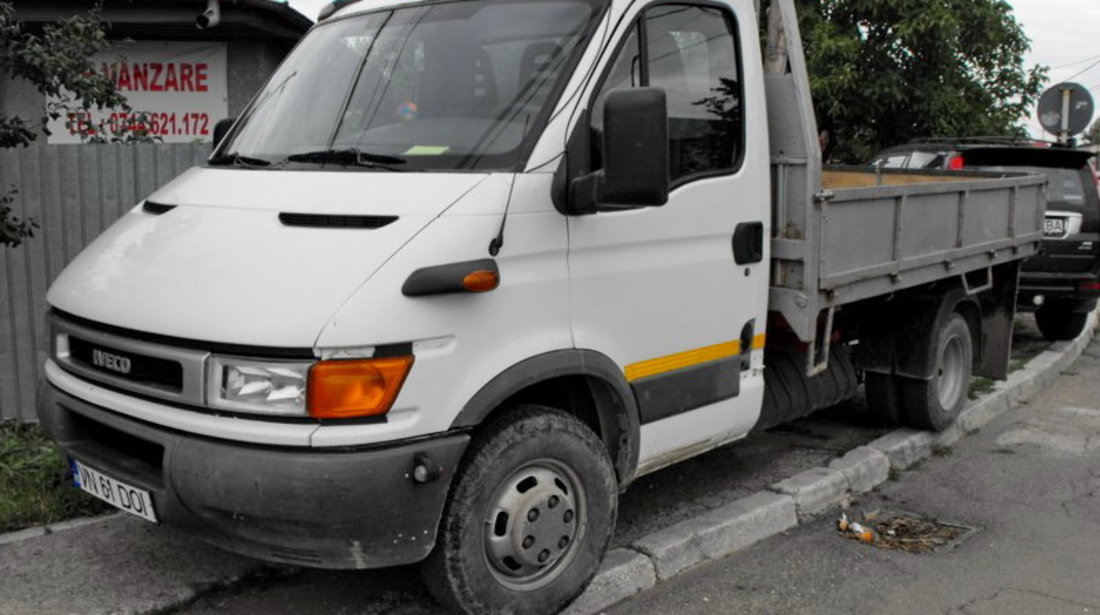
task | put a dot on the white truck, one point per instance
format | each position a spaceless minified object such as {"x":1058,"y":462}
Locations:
{"x":463,"y":270}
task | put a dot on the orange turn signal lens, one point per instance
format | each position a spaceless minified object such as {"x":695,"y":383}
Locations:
{"x":346,"y":389}
{"x":481,"y":281}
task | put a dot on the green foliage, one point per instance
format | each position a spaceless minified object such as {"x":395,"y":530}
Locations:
{"x":886,"y":71}
{"x":34,"y":488}
{"x":980,"y":386}
{"x":13,"y":229}
{"x":57,"y":62}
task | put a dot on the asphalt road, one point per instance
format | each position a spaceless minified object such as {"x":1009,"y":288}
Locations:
{"x":653,"y":502}
{"x":1029,"y":482}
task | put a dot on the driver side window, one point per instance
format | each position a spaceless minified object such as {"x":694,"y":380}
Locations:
{"x":691,"y":52}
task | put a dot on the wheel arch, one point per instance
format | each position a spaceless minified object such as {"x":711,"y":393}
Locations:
{"x":584,"y":383}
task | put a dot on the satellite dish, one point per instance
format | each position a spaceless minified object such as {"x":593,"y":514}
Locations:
{"x":1066,"y":109}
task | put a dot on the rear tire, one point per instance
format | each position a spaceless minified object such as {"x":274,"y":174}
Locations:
{"x":934,"y":404}
{"x":1059,"y":322}
{"x":528,"y":519}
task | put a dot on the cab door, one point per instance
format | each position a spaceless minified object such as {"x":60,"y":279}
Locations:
{"x":660,"y":289}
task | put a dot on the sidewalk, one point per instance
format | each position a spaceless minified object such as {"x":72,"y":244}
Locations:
{"x":120,"y":565}
{"x":1029,"y":480}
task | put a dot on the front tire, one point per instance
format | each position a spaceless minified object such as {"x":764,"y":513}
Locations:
{"x":528,"y":519}
{"x":934,"y":404}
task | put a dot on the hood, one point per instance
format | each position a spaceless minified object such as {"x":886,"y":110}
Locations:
{"x":222,"y":265}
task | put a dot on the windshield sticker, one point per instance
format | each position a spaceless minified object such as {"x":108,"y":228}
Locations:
{"x":408,"y":111}
{"x":427,"y":150}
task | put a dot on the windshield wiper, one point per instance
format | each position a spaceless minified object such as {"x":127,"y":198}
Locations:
{"x":350,"y":156}
{"x":238,"y":160}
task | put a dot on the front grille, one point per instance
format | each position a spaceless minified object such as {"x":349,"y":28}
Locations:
{"x":129,"y":365}
{"x":128,"y":362}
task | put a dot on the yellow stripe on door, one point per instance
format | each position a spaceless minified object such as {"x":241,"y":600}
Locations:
{"x":758,"y":341}
{"x":680,"y":360}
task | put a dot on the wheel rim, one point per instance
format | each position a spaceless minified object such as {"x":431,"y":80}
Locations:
{"x":534,"y":522}
{"x":951,"y":377}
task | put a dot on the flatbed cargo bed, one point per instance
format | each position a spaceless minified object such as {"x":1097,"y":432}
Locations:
{"x":846,"y":234}
{"x":876,"y":232}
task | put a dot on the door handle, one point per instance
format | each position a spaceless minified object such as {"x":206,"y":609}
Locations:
{"x":748,"y":243}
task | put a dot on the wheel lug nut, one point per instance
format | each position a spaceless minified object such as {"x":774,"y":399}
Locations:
{"x":533,"y":515}
{"x":543,"y":556}
{"x":564,"y":541}
{"x":527,"y":542}
{"x":568,"y":517}
{"x":553,"y":501}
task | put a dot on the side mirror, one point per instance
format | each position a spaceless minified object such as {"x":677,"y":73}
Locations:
{"x":222,"y":128}
{"x":635,"y":155}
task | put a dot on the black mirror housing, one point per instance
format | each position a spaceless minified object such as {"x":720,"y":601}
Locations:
{"x":635,"y":152}
{"x":222,"y":128}
{"x":635,"y":145}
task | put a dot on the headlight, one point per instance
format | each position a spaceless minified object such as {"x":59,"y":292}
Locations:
{"x":323,"y":389}
{"x":259,"y":387}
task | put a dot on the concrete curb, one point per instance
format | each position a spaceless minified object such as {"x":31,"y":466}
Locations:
{"x":787,"y":503}
{"x":53,"y":528}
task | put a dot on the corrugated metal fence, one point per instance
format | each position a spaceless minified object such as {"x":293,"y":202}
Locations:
{"x":75,"y":192}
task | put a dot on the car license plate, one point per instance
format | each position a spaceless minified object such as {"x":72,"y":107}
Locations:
{"x":1054,"y":227}
{"x":125,"y":497}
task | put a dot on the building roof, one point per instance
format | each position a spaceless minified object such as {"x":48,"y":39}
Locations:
{"x":175,"y":19}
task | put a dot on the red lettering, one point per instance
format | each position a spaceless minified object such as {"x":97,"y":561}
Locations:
{"x":200,"y":77}
{"x":124,"y":77}
{"x":140,"y":78}
{"x":186,"y":71}
{"x":154,"y":83}
{"x":171,"y":82}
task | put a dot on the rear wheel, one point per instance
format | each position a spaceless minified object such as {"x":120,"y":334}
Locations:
{"x":1059,"y":322}
{"x":528,"y":519}
{"x":935,"y":403}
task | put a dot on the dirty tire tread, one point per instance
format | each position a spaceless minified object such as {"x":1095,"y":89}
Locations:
{"x":445,"y":570}
{"x":920,"y":398}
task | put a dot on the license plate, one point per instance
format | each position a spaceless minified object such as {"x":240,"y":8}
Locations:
{"x":1054,"y":227}
{"x":125,"y":497}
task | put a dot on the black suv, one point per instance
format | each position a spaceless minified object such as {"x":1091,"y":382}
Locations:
{"x":1062,"y":283}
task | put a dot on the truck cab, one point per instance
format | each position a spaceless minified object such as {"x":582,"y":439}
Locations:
{"x":370,"y":295}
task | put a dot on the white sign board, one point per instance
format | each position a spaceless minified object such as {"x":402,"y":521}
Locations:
{"x":179,"y":89}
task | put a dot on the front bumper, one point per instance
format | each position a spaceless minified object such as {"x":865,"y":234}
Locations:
{"x":358,"y":508}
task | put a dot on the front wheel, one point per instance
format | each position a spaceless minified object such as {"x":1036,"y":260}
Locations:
{"x":528,"y":519}
{"x":935,"y":403}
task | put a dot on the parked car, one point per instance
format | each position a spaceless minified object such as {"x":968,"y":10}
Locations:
{"x":1062,"y":283}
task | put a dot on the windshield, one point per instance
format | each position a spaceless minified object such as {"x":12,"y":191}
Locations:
{"x":455,"y":85}
{"x":1065,"y":184}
